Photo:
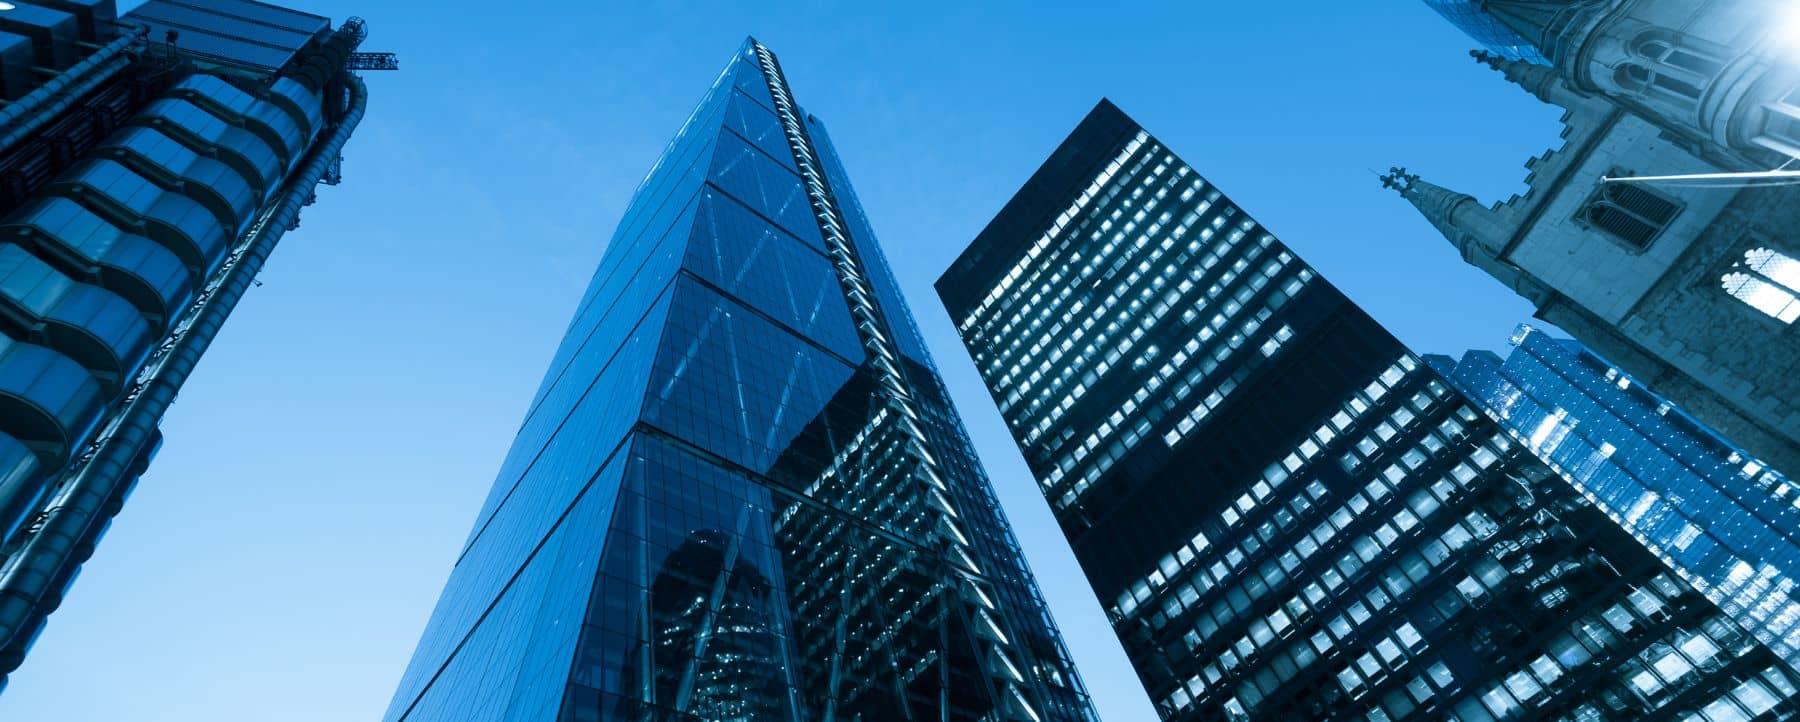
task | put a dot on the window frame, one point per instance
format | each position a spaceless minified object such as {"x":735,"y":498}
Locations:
{"x":1600,"y":195}
{"x":1738,"y":263}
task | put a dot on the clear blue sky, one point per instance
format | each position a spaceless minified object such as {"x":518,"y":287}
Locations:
{"x":324,"y":464}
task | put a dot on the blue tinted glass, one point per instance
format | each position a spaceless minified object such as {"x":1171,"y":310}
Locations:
{"x":508,"y":666}
{"x":1468,"y":16}
{"x":1723,"y":518}
{"x":863,"y":237}
{"x":581,"y":416}
{"x":757,"y":124}
{"x":770,"y":271}
{"x":781,"y":545}
{"x":765,"y":186}
{"x":732,"y":383}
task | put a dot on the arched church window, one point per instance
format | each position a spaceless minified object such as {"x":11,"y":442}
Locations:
{"x":1654,"y":49}
{"x":1670,"y":84}
{"x":1633,"y":77}
{"x":1629,"y":212}
{"x":1670,"y":52}
{"x":1669,"y":66}
{"x":1768,"y":281}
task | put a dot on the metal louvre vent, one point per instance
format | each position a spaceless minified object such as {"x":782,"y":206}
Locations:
{"x":1631,"y":213}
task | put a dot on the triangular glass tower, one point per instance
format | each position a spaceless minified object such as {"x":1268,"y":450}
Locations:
{"x":741,"y":492}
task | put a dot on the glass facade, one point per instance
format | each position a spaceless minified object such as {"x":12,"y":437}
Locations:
{"x":131,"y":219}
{"x":1495,"y":36}
{"x":1286,"y":514}
{"x":741,"y":492}
{"x":1726,"y":523}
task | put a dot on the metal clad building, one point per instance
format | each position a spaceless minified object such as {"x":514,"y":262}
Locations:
{"x":140,"y":191}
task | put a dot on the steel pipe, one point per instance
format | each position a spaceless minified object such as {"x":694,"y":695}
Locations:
{"x":25,"y":116}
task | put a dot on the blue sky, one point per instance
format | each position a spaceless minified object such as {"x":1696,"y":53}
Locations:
{"x":324,"y":464}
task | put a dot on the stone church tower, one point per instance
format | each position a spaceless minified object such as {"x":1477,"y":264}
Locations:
{"x":1693,"y":287}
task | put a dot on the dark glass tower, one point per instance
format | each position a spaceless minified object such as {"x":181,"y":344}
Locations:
{"x":1497,"y":37}
{"x":147,"y":168}
{"x":741,"y":492}
{"x":1728,"y":524}
{"x":1284,"y":512}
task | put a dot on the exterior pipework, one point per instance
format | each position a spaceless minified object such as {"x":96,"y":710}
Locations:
{"x":317,"y":69}
{"x":77,"y":514}
{"x":998,"y":659}
{"x":13,"y":652}
{"x":19,"y":467}
{"x":24,"y":117}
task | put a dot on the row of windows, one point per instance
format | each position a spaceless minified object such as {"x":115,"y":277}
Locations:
{"x":1107,"y":262}
{"x":1657,"y":672}
{"x":1033,"y":311}
{"x":1062,"y":222}
{"x":1119,"y":423}
{"x":1260,"y":492}
{"x":1132,"y":320}
{"x":1207,"y":355}
{"x":1759,"y":595}
{"x":1329,"y":590}
{"x":1062,"y":318}
{"x":1471,"y":587}
{"x":1230,"y":569}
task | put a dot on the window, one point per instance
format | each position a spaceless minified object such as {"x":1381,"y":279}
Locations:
{"x":1641,"y":80}
{"x":1628,"y":212}
{"x":1767,"y":280}
{"x":1671,"y":85}
{"x":1673,"y":53}
{"x":1667,"y":68}
{"x":1781,"y":125}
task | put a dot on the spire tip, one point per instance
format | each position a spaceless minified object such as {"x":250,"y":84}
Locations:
{"x":1398,"y":179}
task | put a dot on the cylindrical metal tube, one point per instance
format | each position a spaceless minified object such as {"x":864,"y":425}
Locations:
{"x":25,"y":116}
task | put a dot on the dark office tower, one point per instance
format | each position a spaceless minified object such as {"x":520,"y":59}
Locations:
{"x":741,"y":493}
{"x":1724,"y":521}
{"x":1285,"y":513}
{"x":147,"y":168}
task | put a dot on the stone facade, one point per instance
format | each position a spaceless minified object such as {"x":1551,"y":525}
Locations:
{"x":1643,"y":272}
{"x":1721,"y":76}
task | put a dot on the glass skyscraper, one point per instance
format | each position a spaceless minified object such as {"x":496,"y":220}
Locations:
{"x":147,"y":168}
{"x":1284,"y":512}
{"x":741,"y":492}
{"x":1729,"y":525}
{"x":1495,"y":36}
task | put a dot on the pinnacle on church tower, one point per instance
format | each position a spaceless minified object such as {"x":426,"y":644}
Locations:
{"x":1461,"y":218}
{"x":1541,"y":81}
{"x":1539,"y":22}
